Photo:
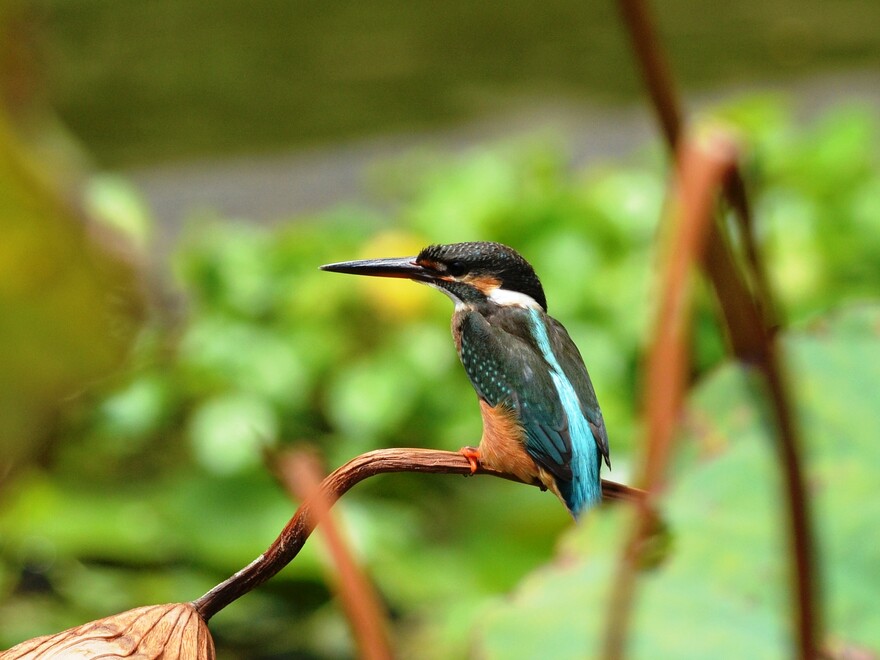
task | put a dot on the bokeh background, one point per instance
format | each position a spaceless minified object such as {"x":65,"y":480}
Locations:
{"x":171,"y":176}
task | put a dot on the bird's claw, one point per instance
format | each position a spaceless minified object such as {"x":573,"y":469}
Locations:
{"x":472,"y":454}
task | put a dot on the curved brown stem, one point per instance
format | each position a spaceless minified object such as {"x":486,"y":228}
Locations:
{"x":382,"y":461}
{"x":301,"y":474}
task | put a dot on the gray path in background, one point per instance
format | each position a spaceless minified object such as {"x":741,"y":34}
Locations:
{"x":273,"y":188}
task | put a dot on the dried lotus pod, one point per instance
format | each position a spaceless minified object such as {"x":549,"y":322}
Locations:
{"x":170,"y":632}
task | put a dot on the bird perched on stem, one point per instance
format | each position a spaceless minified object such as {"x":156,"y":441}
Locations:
{"x":541,"y":419}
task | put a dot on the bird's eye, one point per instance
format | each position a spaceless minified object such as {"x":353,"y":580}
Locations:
{"x":455,"y":268}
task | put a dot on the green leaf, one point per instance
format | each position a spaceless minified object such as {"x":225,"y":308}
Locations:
{"x":724,"y":589}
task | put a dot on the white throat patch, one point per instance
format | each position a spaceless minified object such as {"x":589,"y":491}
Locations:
{"x":508,"y":298}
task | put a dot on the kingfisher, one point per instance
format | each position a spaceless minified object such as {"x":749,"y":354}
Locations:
{"x":541,"y":419}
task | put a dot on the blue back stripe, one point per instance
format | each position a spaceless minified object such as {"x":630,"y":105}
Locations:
{"x":585,"y":489}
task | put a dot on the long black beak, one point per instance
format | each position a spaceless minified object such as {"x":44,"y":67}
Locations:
{"x":396,"y":267}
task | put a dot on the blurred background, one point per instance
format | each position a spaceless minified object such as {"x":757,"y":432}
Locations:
{"x":171,"y":176}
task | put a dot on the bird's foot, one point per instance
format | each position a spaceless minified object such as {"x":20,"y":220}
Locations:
{"x":472,"y":454}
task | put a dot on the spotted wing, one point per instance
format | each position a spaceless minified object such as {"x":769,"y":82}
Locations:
{"x":506,"y":368}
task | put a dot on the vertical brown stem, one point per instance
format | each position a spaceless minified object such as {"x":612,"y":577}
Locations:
{"x":702,"y":169}
{"x":756,"y":344}
{"x":751,"y":315}
{"x":654,"y":68}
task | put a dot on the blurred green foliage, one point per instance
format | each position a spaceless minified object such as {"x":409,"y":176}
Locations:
{"x":61,"y":285}
{"x":158,"y":489}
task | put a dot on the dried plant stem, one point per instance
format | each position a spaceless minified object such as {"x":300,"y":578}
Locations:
{"x":381,"y":461}
{"x":654,"y":68}
{"x":751,"y":317}
{"x":702,"y":169}
{"x":301,"y":474}
{"x":660,"y":85}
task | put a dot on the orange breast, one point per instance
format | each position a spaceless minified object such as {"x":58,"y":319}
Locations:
{"x":502,"y":446}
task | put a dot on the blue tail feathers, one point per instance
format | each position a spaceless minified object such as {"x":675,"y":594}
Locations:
{"x":584,"y":491}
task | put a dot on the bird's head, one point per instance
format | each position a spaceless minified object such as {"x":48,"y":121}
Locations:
{"x":469,"y":273}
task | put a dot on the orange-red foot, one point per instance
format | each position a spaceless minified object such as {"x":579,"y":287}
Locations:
{"x":472,"y":454}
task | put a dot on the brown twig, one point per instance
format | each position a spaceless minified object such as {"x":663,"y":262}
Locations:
{"x":301,"y":474}
{"x":654,"y":68}
{"x":736,"y":197}
{"x":660,"y":84}
{"x":755,"y":343}
{"x":702,"y":169}
{"x":751,"y":317}
{"x":381,"y":461}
